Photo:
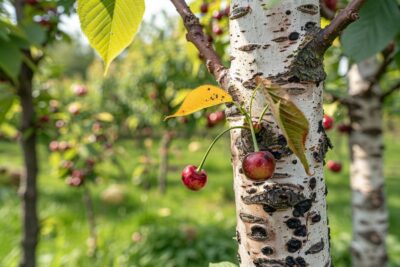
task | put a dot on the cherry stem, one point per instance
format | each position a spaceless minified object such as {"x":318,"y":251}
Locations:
{"x":213,"y":143}
{"x":251,"y":100}
{"x":263,"y":113}
{"x":250,"y":122}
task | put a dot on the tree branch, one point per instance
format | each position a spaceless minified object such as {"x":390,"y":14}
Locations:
{"x":196,"y":35}
{"x":345,"y":17}
{"x":393,"y":89}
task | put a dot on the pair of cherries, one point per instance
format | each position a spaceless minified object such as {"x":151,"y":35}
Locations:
{"x":256,"y":166}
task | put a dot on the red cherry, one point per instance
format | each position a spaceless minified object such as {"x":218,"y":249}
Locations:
{"x":53,"y":146}
{"x":74,"y":181}
{"x":78,"y":174}
{"x":344,"y":128}
{"x":327,"y":122}
{"x":259,"y":165}
{"x":227,"y":11}
{"x":184,"y":120}
{"x":63,"y":146}
{"x":80,"y":90}
{"x":153,"y":95}
{"x":44,"y":119}
{"x":74,"y":108}
{"x":31,"y":2}
{"x":334,"y":166}
{"x":217,"y":30}
{"x":204,"y":8}
{"x":90,"y":163}
{"x":220,"y":116}
{"x":331,"y":4}
{"x":97,"y":127}
{"x":67,"y":164}
{"x":193,"y":179}
{"x":218,"y":15}
{"x":60,"y":124}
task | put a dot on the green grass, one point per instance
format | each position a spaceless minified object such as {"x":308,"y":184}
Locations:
{"x":180,"y":229}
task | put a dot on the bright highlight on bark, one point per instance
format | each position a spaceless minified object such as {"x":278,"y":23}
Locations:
{"x":291,"y":120}
{"x":200,"y":98}
{"x":108,"y":26}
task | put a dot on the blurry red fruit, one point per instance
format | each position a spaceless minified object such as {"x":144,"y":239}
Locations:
{"x":204,"y":8}
{"x":327,"y":122}
{"x":334,"y":166}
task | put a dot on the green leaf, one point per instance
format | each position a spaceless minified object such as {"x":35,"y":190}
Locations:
{"x":10,"y":59}
{"x":222,"y":264}
{"x":290,"y":118}
{"x":378,"y":25}
{"x":6,"y":102}
{"x":110,"y":25}
{"x":35,"y":33}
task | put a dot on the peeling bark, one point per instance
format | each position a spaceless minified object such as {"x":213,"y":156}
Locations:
{"x":283,"y":221}
{"x":370,"y":215}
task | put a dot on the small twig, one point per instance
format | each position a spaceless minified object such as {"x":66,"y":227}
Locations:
{"x":380,"y":72}
{"x":345,"y":17}
{"x":325,"y":11}
{"x":392,"y":90}
{"x":196,"y":35}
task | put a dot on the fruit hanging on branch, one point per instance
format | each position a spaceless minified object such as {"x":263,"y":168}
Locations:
{"x":194,"y":179}
{"x":259,"y":166}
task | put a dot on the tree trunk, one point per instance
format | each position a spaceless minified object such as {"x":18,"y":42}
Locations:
{"x":163,"y":168}
{"x":370,"y":215}
{"x":283,"y":221}
{"x":28,"y":190}
{"x":88,"y":201}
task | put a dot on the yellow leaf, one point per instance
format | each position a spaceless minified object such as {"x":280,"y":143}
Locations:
{"x":200,"y":98}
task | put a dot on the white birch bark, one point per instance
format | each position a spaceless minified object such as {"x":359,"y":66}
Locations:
{"x":370,"y":216}
{"x":283,"y":221}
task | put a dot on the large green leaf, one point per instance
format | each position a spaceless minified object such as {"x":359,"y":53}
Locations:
{"x":35,"y":33}
{"x":291,"y":120}
{"x":110,"y":25}
{"x":378,"y":25}
{"x":10,"y":59}
{"x":222,"y":264}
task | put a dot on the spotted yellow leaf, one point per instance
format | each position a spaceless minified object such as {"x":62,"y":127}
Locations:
{"x":200,"y":98}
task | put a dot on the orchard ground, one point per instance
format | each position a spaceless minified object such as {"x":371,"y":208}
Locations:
{"x":179,"y":229}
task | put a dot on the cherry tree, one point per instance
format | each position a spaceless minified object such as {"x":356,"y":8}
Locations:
{"x":277,"y":50}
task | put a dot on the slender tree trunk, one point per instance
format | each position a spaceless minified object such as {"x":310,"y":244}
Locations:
{"x":28,"y":189}
{"x":283,"y":221}
{"x":370,"y":215}
{"x":88,"y":201}
{"x":163,"y":168}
